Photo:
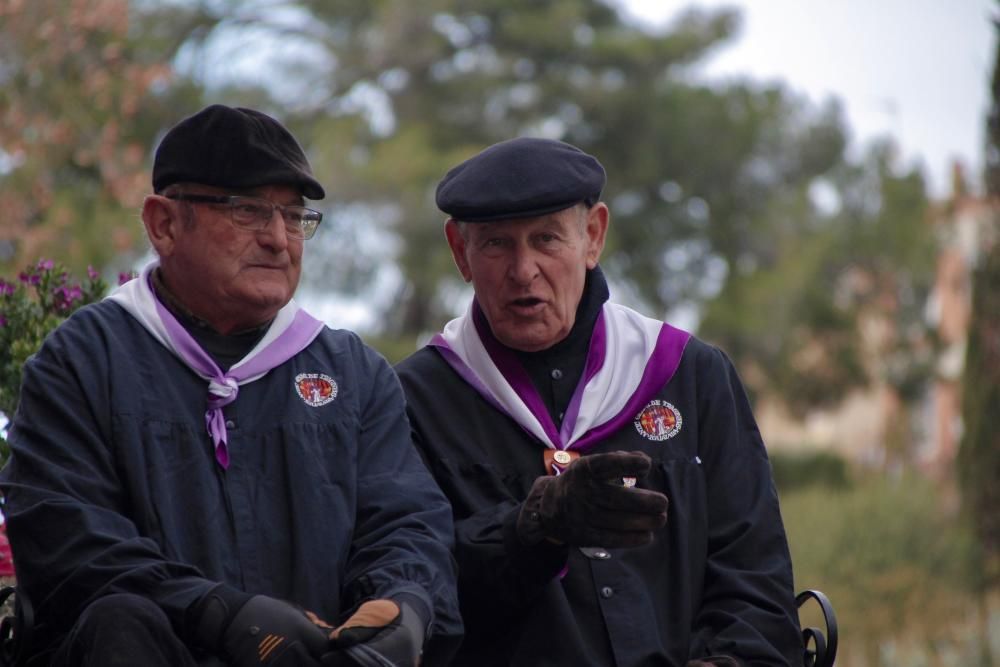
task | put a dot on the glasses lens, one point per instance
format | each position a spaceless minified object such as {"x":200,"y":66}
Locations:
{"x":251,"y":212}
{"x":301,"y":222}
{"x":255,"y":214}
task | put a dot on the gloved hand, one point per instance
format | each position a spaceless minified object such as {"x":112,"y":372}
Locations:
{"x":381,"y":633}
{"x":588,"y":505}
{"x":257,"y":630}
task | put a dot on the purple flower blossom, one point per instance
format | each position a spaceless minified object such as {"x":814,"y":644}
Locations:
{"x":6,"y":288}
{"x":92,"y":273}
{"x":125,"y":276}
{"x":29,"y":278}
{"x":65,"y":296}
{"x":45,"y":265}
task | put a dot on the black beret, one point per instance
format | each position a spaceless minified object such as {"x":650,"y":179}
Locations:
{"x":520,"y":178}
{"x":232,"y":148}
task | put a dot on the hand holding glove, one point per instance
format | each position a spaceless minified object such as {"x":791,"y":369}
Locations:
{"x":381,"y":633}
{"x":588,"y":505}
{"x":257,"y":630}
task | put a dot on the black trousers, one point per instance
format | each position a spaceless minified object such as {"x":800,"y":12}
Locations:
{"x":120,"y":630}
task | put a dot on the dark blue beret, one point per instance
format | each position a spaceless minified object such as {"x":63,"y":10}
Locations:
{"x":230,"y":147}
{"x":520,"y":178}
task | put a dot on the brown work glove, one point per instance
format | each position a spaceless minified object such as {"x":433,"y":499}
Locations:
{"x":588,"y":505}
{"x":379,"y":633}
{"x":253,"y":630}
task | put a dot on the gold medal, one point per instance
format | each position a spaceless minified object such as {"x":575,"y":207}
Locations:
{"x":557,"y":460}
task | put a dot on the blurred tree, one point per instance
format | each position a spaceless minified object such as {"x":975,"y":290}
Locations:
{"x":979,"y":452}
{"x":85,"y":85}
{"x":402,"y":91}
{"x":712,"y":187}
{"x":838,"y":302}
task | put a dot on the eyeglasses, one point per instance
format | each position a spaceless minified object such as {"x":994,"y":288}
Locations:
{"x":254,"y":214}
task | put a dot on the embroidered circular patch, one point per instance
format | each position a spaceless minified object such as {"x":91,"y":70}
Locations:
{"x":315,"y":389}
{"x":659,"y":420}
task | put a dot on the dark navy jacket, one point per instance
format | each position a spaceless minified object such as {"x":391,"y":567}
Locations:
{"x":716,"y":580}
{"x":113,"y":486}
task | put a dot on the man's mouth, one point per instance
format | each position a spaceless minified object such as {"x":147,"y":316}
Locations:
{"x":529,"y":303}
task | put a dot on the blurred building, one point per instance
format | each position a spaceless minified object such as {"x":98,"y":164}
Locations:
{"x":873,"y":425}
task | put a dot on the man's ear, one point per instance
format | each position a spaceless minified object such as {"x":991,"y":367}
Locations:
{"x":162,"y":220}
{"x":457,"y":244}
{"x":597,"y":231}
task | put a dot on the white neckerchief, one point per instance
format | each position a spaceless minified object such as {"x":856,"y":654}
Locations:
{"x":631,"y":358}
{"x":292,"y":330}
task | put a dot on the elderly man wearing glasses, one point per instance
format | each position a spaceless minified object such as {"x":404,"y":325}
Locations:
{"x":203,"y":473}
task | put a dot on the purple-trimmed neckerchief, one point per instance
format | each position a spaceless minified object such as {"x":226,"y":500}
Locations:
{"x":630,"y":358}
{"x":292,"y":330}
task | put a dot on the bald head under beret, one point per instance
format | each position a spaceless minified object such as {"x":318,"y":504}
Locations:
{"x":520,"y":178}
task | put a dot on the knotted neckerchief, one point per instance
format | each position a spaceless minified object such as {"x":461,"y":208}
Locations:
{"x":291,"y":331}
{"x":630,"y":358}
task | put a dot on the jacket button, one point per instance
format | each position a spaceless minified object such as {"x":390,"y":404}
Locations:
{"x":230,"y":423}
{"x":607,"y":592}
{"x":556,"y":374}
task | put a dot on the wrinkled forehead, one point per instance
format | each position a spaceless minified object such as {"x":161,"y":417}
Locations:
{"x":565,"y":219}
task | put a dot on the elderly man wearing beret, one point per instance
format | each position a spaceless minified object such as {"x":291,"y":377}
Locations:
{"x":203,"y":473}
{"x":612,"y":496}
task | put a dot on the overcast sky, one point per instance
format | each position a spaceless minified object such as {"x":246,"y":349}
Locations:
{"x":917,"y":70}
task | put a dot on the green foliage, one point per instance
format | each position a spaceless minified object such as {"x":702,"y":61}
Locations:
{"x":807,"y":469}
{"x":891,"y":556}
{"x":42,"y":296}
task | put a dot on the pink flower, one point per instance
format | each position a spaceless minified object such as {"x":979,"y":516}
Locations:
{"x":65,"y":296}
{"x":125,"y":276}
{"x":45,"y":265}
{"x":92,"y":273}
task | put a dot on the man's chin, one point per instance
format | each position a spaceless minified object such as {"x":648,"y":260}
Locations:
{"x":265,"y":300}
{"x":526,"y":341}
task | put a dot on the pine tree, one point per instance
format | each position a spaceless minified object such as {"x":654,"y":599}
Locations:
{"x":979,"y":453}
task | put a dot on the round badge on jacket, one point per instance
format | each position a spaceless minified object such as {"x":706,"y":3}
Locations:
{"x":659,"y":420}
{"x":315,"y":389}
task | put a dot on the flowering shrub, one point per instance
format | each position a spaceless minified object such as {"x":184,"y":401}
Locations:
{"x":40,"y":298}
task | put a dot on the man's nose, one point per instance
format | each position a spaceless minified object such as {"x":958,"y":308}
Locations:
{"x":523,"y":266}
{"x":275,"y":233}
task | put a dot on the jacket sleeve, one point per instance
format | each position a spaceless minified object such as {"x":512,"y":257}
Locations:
{"x":66,"y":508}
{"x":403,"y":533}
{"x":748,"y":607}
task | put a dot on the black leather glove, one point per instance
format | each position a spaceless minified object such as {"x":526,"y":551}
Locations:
{"x":249,"y":631}
{"x":588,"y":505}
{"x":381,"y":633}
